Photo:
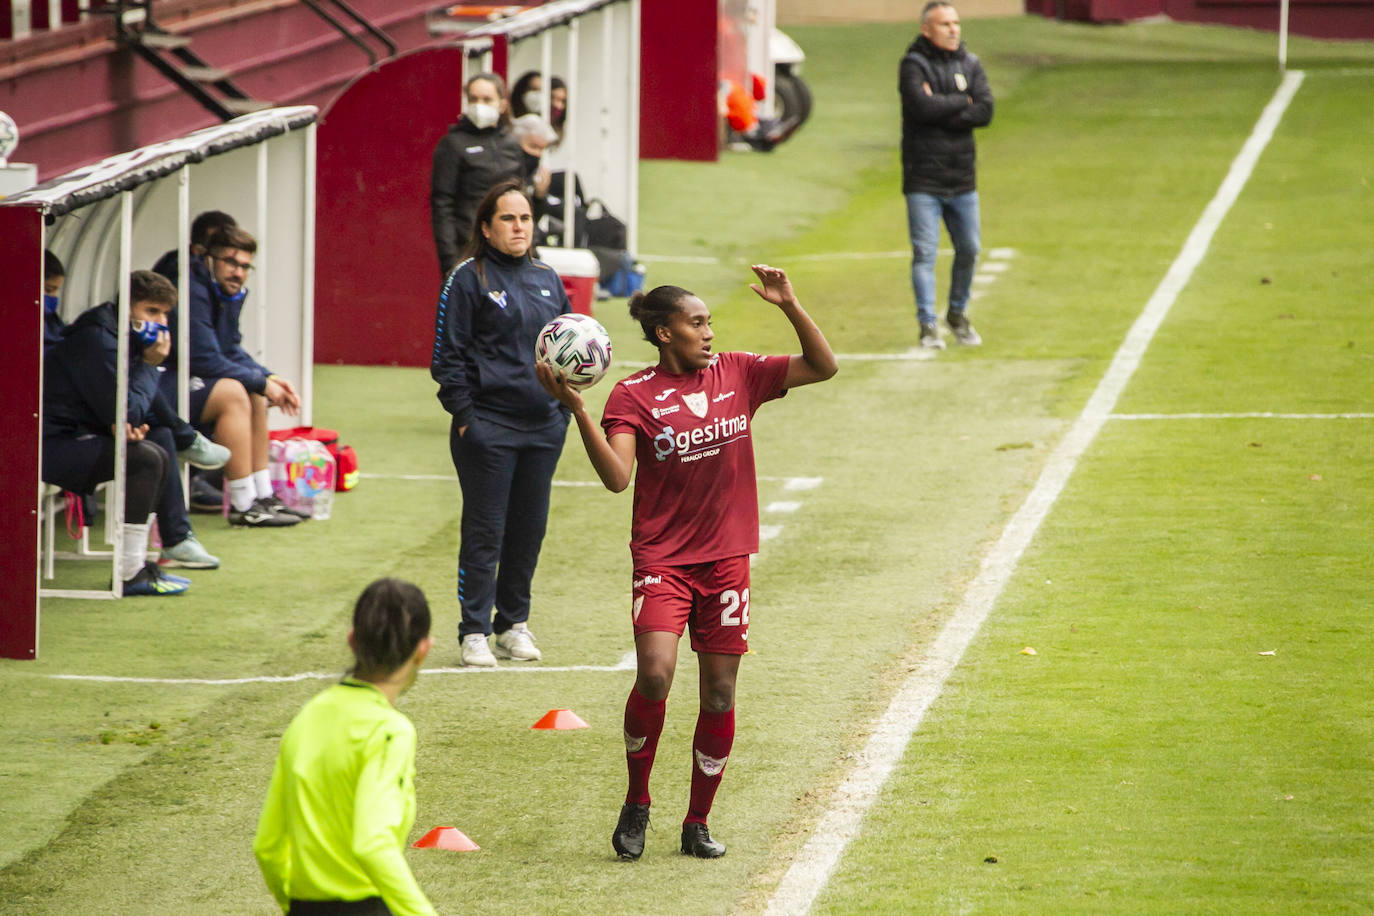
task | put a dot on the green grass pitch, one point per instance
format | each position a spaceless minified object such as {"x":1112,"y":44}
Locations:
{"x":1193,"y":731}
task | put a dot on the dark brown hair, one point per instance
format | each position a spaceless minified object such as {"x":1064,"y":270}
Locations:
{"x":146,"y":286}
{"x":232,"y":237}
{"x":389,"y":620}
{"x":655,"y":308}
{"x":476,"y":247}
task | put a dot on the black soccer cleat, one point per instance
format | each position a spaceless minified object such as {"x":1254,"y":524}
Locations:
{"x":628,"y":838}
{"x":696,"y":841}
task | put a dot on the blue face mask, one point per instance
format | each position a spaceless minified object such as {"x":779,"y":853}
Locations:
{"x":234,"y":299}
{"x":50,"y":302}
{"x":146,"y":331}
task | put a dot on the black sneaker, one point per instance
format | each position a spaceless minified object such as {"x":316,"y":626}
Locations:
{"x":696,"y":841}
{"x":628,"y":838}
{"x":260,"y":515}
{"x":930,"y":337}
{"x":276,"y":505}
{"x":204,"y":496}
{"x":153,"y":581}
{"x":963,"y":331}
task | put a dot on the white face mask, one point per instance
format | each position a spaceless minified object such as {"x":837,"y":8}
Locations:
{"x":483,"y":115}
{"x":531,"y":100}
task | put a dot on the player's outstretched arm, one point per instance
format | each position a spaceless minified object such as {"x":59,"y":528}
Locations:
{"x":613,"y":458}
{"x":816,"y":362}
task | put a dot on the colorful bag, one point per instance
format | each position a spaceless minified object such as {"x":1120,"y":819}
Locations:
{"x":303,"y":474}
{"x":345,"y":459}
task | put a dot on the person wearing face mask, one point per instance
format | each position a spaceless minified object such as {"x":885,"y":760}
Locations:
{"x":79,"y":383}
{"x":534,"y":136}
{"x":477,"y":153}
{"x":230,"y":391}
{"x":527,"y":98}
{"x":506,"y":432}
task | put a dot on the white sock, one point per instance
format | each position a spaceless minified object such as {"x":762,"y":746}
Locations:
{"x":133,"y":553}
{"x":242,"y":493}
{"x":262,"y":482}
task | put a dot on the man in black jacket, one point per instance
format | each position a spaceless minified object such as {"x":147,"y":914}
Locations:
{"x":945,"y":95}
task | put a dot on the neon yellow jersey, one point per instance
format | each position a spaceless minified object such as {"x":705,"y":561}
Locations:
{"x":341,"y":804}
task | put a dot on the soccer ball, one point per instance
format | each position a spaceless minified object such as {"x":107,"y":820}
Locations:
{"x":576,"y":346}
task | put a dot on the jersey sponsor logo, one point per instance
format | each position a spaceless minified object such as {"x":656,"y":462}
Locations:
{"x":664,"y":411}
{"x":647,"y":580}
{"x":696,"y":402}
{"x":633,"y":744}
{"x":544,"y":292}
{"x":710,"y":766}
{"x":664,"y":395}
{"x":702,"y":442}
{"x":635,"y":608}
{"x":635,"y":381}
{"x":722,"y":396}
{"x":498,"y":296}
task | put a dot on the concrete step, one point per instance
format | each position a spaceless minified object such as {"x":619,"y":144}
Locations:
{"x":205,"y":74}
{"x":164,"y":41}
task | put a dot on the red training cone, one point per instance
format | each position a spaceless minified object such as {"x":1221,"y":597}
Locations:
{"x":560,"y":719}
{"x":446,"y":838}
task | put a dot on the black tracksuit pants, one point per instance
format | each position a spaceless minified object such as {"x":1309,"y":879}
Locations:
{"x":505,"y":475}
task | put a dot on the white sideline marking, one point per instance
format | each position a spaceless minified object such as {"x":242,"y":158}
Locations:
{"x":802,"y":483}
{"x":768,"y":532}
{"x":626,"y":663}
{"x":915,"y":354}
{"x":782,"y":507}
{"x":995,"y":267}
{"x":1260,"y":415}
{"x":809,"y":873}
{"x":452,"y":478}
{"x":825,"y":256}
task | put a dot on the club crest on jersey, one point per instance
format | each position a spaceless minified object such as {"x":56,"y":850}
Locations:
{"x":498,"y":296}
{"x":709,"y":765}
{"x":960,"y":82}
{"x":696,"y":402}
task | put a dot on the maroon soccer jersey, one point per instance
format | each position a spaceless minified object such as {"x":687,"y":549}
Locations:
{"x":696,"y":494}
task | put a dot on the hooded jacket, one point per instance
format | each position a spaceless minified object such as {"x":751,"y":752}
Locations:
{"x":216,"y":341}
{"x":79,"y":377}
{"x":468,"y":162}
{"x":938,"y":154}
{"x":484,"y":335}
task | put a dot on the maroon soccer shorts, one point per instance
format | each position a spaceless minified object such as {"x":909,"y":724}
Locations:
{"x":710,"y":600}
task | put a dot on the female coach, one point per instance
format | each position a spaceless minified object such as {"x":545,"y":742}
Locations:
{"x":683,"y":428}
{"x":507,"y":432}
{"x":342,"y":799}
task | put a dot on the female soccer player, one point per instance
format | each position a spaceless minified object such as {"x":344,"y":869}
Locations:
{"x":507,"y":433}
{"x":342,"y":797}
{"x":686,"y":423}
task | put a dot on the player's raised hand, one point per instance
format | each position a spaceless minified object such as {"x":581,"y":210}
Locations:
{"x":556,"y":384}
{"x":776,"y":288}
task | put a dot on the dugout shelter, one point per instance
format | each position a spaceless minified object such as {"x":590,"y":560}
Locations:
{"x":377,"y":275}
{"x":119,"y":215}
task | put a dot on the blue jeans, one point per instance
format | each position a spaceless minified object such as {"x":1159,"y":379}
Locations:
{"x":923,"y":214}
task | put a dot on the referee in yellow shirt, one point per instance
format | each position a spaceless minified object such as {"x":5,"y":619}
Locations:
{"x":332,"y":834}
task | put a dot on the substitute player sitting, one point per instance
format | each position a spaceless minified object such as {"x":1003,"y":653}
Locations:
{"x":686,"y":423}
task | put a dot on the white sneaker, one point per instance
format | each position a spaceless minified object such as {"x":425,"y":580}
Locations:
{"x":475,"y":653}
{"x":517,"y":643}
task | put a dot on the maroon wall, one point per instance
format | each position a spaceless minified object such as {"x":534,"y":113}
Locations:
{"x":678,"y":116}
{"x":79,"y":97}
{"x":21,"y":310}
{"x":1349,"y":19}
{"x":376,"y":272}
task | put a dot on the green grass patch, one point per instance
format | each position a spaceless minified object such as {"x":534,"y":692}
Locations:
{"x":1142,"y":761}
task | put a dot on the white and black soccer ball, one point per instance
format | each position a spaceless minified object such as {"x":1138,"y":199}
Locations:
{"x":576,"y":346}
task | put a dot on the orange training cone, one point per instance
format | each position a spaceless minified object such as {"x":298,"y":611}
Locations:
{"x":446,"y":838}
{"x":560,"y":719}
